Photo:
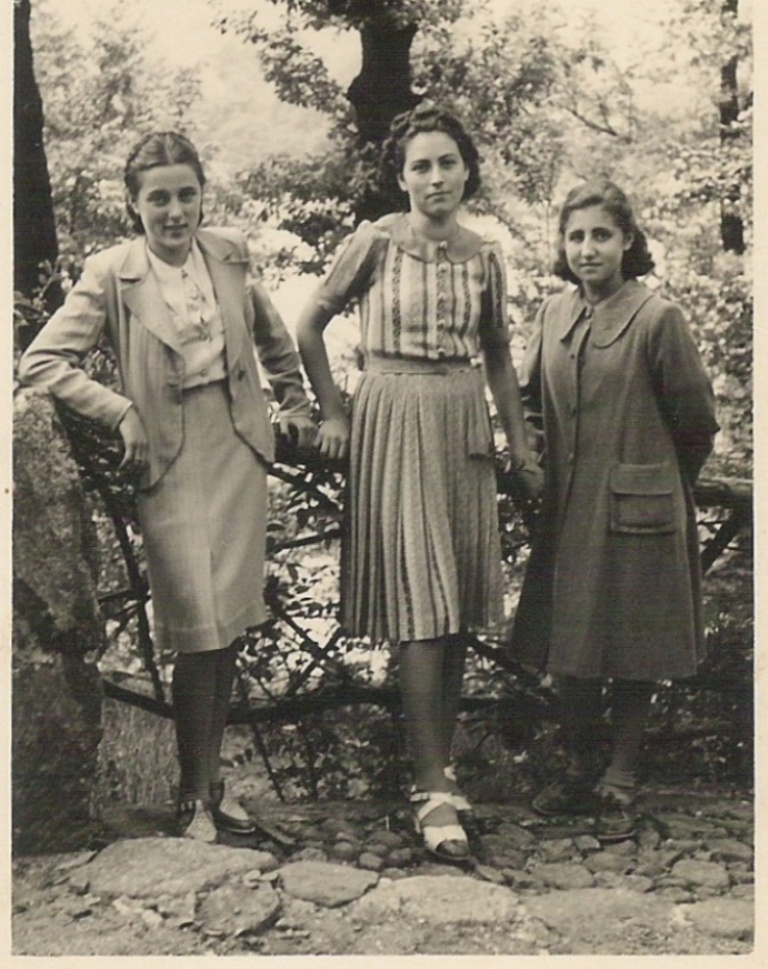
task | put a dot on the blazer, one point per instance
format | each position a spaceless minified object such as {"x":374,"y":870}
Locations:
{"x":118,"y":293}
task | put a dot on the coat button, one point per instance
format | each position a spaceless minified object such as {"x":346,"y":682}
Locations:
{"x":241,"y":373}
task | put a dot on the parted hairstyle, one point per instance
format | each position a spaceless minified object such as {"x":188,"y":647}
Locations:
{"x":154,"y":149}
{"x":637,"y":260}
{"x":423,"y":119}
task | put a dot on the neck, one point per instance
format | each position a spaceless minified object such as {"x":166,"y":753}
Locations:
{"x":594,"y":295}
{"x":173,"y":257}
{"x":436,"y":230}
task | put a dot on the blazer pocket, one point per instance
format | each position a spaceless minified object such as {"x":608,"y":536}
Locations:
{"x":642,"y":499}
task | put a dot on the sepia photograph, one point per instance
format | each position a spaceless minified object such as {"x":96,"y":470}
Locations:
{"x":382,"y":542}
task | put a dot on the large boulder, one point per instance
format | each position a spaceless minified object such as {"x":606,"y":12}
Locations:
{"x":57,"y":635}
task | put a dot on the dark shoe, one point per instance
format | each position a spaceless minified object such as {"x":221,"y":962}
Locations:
{"x":618,"y":817}
{"x":570,"y":796}
{"x":228,"y":814}
{"x":195,"y":821}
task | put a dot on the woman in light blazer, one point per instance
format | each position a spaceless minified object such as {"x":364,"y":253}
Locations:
{"x":182,"y":318}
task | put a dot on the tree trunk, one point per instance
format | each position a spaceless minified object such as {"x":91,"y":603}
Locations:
{"x":731,"y":223}
{"x":381,"y":91}
{"x":33,"y":222}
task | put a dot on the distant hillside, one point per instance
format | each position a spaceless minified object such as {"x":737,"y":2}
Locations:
{"x":241,"y":114}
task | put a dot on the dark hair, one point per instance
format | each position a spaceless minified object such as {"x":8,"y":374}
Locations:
{"x":154,"y":149}
{"x":423,"y":119}
{"x":637,"y":260}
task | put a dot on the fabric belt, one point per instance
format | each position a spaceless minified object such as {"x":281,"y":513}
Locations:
{"x":405,"y":365}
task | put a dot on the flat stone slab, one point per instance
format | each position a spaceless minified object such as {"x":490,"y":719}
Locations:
{"x":440,"y":900}
{"x":237,"y":910}
{"x":149,"y":867}
{"x":565,"y":876}
{"x":727,"y":918}
{"x":589,"y":909}
{"x":701,"y":873}
{"x":325,"y":884}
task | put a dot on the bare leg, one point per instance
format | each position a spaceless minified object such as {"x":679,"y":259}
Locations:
{"x":422,"y":672}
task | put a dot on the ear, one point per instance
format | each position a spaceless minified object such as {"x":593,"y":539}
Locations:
{"x":629,"y":239}
{"x":132,"y":210}
{"x":401,"y":183}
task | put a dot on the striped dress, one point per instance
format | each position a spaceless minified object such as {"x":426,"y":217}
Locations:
{"x":421,"y":556}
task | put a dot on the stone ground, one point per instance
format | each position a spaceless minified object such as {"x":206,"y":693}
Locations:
{"x":356,"y":881}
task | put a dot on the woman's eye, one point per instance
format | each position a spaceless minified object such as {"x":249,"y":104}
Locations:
{"x":188,"y":196}
{"x":159,"y":198}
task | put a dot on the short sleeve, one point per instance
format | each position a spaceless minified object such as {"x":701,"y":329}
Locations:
{"x":350,"y":271}
{"x":494,"y":321}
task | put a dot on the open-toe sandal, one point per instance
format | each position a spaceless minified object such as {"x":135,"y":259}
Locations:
{"x":458,"y":799}
{"x":447,"y":842}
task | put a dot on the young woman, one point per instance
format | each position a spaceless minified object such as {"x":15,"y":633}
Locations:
{"x":421,"y":558}
{"x":182,"y":317}
{"x":612,"y":591}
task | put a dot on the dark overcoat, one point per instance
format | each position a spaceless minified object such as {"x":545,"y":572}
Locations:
{"x":613,"y":584}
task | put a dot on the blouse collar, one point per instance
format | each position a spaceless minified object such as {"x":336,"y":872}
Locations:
{"x":611,"y":316}
{"x":461,"y":247}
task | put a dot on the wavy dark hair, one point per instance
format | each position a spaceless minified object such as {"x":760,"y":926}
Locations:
{"x":637,"y":260}
{"x":424,"y":119}
{"x":154,"y":149}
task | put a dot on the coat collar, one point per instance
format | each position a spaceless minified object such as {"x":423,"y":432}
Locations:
{"x":141,"y":291}
{"x":460,"y":248}
{"x":610,"y":317}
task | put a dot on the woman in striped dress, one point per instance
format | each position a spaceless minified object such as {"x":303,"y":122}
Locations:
{"x":421,"y":561}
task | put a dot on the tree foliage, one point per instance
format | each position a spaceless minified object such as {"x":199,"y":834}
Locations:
{"x":101,"y":93}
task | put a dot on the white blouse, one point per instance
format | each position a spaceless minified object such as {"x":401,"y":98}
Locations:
{"x":189,"y":295}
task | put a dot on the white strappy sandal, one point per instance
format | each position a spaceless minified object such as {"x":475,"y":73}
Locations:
{"x":438,"y":837}
{"x":458,"y":800}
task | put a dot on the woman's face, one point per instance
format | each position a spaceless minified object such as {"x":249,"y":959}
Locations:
{"x":434,"y":174}
{"x":594,"y":249}
{"x":169,"y":203}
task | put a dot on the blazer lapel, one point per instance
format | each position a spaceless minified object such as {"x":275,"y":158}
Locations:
{"x":140,"y":291}
{"x":227,"y":267}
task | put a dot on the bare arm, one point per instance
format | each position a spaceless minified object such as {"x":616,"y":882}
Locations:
{"x":502,"y":380}
{"x":333,"y":438}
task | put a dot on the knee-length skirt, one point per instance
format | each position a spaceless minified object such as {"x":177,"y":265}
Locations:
{"x":204,"y":530}
{"x":421,"y":555}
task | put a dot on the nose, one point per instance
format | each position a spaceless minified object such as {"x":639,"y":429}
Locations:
{"x":175,"y":210}
{"x":436,"y":176}
{"x":588,"y":245}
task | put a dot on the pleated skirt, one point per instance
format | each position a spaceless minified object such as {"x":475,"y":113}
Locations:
{"x":204,"y":530}
{"x":421,"y":555}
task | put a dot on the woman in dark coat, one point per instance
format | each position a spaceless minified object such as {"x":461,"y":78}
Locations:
{"x":613,"y":587}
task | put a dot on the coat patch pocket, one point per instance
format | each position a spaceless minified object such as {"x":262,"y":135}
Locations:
{"x":642,"y":499}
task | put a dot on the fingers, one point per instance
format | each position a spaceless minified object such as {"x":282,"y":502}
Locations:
{"x":532,"y":479}
{"x":136,"y":457}
{"x":302,"y":433}
{"x":333,"y":445}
